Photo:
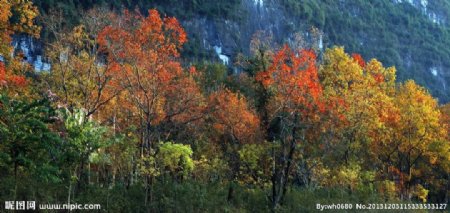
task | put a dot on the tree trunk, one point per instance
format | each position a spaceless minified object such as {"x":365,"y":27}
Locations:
{"x":274,"y":180}
{"x":230,"y":191}
{"x":287,"y":169}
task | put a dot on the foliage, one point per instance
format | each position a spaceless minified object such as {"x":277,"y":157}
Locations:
{"x":392,"y":32}
{"x":28,"y":147}
{"x":141,"y":53}
{"x":182,"y":9}
{"x":211,"y":76}
{"x":380,"y":121}
{"x":17,"y":16}
{"x":83,"y":136}
{"x":76,"y":79}
{"x":233,"y":118}
{"x":120,"y":120}
{"x":176,"y":157}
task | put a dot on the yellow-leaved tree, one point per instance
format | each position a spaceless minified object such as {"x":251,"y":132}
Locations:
{"x":419,"y":144}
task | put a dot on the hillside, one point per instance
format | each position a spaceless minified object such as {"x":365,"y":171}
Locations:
{"x":412,"y":35}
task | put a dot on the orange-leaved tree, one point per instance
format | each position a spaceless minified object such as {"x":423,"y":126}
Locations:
{"x":236,"y":124}
{"x":233,"y":118}
{"x":294,"y":109}
{"x":144,"y":51}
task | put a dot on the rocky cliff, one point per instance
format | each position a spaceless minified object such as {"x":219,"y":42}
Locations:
{"x":413,"y":35}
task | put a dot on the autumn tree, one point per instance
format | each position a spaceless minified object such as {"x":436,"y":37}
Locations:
{"x":144,"y":53}
{"x":185,"y":109}
{"x":236,"y":125}
{"x":80,"y":76}
{"x":293,"y":110}
{"x":420,"y":140}
{"x":363,"y":91}
{"x":10,"y":80}
{"x":143,"y":50}
{"x":387,"y":128}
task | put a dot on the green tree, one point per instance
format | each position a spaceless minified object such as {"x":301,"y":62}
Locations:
{"x":83,"y":137}
{"x":28,"y":148}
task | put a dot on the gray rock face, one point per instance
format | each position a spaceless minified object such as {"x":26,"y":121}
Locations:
{"x":233,"y":36}
{"x":32,"y":52}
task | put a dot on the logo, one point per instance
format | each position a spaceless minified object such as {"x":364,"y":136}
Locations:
{"x":20,"y":205}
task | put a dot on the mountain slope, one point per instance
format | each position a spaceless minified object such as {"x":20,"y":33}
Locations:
{"x":412,"y":35}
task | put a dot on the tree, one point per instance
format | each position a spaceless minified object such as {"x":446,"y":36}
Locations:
{"x":176,"y":158}
{"x":29,"y":148}
{"x":294,"y":109}
{"x":233,"y":118}
{"x":10,"y":80}
{"x":394,"y":130}
{"x":236,"y":125}
{"x":83,"y":137}
{"x":210,"y":76}
{"x":80,"y":76}
{"x":144,"y":51}
{"x":366,"y":110}
{"x":420,"y":137}
{"x":185,"y":110}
